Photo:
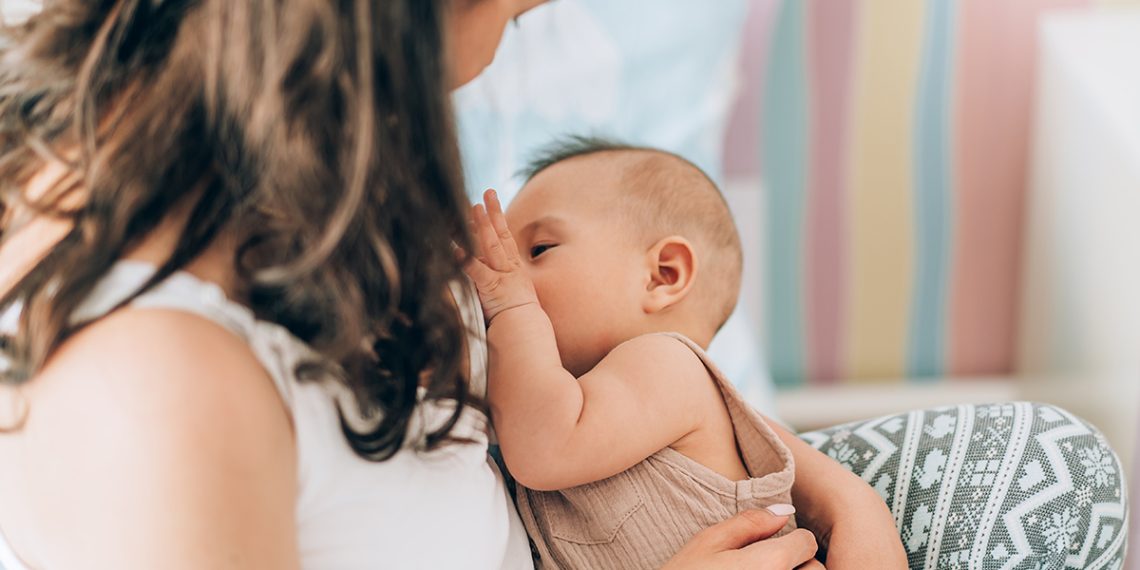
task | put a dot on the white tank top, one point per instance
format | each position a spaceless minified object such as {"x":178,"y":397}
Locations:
{"x":444,"y":509}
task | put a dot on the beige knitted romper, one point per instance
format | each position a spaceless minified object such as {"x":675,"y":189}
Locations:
{"x":641,"y":517}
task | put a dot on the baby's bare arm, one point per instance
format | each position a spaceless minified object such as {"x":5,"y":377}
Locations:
{"x":849,"y":518}
{"x":558,"y":432}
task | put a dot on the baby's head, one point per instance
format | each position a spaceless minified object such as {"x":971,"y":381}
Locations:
{"x":621,"y":241}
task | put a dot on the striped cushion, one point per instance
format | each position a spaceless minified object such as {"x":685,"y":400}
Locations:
{"x":893,"y":149}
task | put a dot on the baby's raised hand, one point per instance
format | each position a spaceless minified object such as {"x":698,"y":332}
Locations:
{"x":496,"y":267}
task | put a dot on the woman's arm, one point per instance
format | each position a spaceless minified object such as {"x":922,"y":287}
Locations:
{"x":158,"y":441}
{"x":849,"y":518}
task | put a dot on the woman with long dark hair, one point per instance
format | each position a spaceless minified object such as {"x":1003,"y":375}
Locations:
{"x":229,"y":338}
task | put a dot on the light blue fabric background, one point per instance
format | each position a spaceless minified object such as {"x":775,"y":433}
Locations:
{"x":661,"y":73}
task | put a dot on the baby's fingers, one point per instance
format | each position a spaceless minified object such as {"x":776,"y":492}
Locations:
{"x":499,"y":222}
{"x":493,"y":251}
{"x":475,"y":269}
{"x":474,"y":229}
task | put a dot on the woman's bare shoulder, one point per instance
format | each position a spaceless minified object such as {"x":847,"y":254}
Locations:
{"x":167,"y":423}
{"x":152,"y":358}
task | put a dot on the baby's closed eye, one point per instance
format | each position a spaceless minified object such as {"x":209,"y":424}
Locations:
{"x":538,"y":249}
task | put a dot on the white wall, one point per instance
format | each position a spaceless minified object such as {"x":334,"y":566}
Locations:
{"x":1080,"y":331}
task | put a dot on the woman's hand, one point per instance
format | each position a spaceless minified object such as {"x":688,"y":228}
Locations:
{"x":496,"y":267}
{"x":739,"y":543}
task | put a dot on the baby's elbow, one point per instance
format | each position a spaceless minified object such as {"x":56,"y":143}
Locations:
{"x":541,"y":482}
{"x":537,"y":472}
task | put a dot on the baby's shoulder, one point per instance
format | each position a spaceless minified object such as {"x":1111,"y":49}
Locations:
{"x":664,"y":343}
{"x":659,"y":356}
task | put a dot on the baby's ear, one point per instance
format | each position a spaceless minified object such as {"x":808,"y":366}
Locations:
{"x":673,"y":270}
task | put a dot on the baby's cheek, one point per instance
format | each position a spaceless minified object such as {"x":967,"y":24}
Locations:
{"x":553,"y":292}
{"x":546,"y":298}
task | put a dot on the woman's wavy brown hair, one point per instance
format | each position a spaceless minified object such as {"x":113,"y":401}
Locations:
{"x":317,"y":133}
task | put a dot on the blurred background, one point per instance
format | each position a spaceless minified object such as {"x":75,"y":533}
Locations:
{"x":939,"y":199}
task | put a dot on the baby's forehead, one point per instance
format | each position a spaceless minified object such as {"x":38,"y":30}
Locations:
{"x":639,"y":184}
{"x":579,"y":177}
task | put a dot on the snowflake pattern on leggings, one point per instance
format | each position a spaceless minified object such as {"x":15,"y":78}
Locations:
{"x":992,"y":487}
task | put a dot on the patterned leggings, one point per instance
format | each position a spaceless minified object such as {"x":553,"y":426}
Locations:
{"x":1001,"y":486}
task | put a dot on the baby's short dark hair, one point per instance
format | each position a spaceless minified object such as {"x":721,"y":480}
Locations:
{"x":671,"y":195}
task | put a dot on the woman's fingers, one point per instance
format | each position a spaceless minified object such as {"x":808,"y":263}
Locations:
{"x":812,"y":565}
{"x":499,"y":222}
{"x":789,"y":551}
{"x":742,"y":530}
{"x":743,"y":541}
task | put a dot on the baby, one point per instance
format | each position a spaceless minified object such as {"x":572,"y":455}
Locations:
{"x":618,"y":267}
{"x":602,"y":286}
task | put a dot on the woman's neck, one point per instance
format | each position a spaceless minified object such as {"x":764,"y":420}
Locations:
{"x":214,"y":265}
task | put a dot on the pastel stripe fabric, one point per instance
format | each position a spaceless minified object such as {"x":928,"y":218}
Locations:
{"x":893,"y":144}
{"x":932,"y":198}
{"x":880,"y":236}
{"x":785,"y":119}
{"x":832,"y":32}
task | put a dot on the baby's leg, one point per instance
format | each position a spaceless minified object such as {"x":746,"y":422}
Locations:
{"x":1016,"y":485}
